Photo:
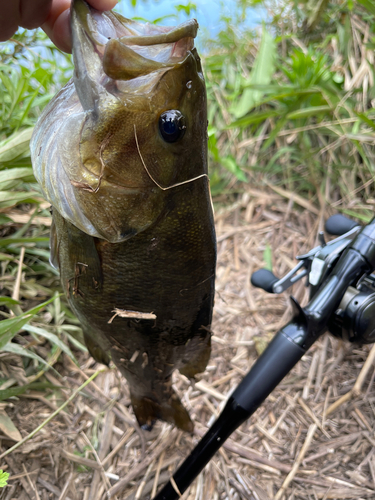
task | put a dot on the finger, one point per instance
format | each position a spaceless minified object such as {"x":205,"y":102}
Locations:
{"x":57,"y":25}
{"x":33,"y":14}
{"x":9,"y":15}
{"x":61,"y":34}
{"x":57,"y":8}
{"x":102,"y":4}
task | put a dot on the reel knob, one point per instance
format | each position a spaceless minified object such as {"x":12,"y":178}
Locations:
{"x":265,"y":279}
{"x":338,"y":225}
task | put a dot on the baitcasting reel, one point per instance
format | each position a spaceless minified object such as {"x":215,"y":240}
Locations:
{"x":342,"y":301}
{"x":353,"y":320}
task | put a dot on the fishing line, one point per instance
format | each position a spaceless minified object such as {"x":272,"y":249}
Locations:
{"x":153,"y":180}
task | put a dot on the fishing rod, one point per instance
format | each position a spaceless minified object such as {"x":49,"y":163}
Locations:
{"x":342,"y":301}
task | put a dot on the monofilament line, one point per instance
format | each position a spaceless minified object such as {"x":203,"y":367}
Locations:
{"x":153,"y":180}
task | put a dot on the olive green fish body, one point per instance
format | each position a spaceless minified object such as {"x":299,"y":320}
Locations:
{"x":166,"y":272}
{"x":121,"y":154}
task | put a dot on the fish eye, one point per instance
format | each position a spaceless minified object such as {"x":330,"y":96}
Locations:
{"x":172,"y":125}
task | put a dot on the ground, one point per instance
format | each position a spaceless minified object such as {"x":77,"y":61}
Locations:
{"x":294,"y":447}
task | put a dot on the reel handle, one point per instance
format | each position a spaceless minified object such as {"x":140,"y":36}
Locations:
{"x":265,"y":279}
{"x":338,"y":225}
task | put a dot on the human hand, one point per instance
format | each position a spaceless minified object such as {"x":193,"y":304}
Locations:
{"x":51,"y":15}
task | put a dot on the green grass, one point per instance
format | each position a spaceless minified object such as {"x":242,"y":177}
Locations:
{"x":292,"y":105}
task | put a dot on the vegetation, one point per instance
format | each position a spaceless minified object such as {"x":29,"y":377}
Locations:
{"x":3,"y":478}
{"x":293,"y":107}
{"x":290,"y":106}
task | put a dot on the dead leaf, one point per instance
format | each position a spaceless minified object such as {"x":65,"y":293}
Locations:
{"x":8,"y":427}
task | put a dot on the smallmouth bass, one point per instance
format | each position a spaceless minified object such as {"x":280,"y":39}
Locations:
{"x":121,"y":154}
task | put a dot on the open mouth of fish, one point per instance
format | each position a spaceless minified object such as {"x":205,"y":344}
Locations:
{"x":123,"y":50}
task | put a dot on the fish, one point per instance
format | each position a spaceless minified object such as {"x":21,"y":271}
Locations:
{"x":121,"y":154}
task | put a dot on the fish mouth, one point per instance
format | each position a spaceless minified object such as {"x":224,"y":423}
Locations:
{"x":128,"y":49}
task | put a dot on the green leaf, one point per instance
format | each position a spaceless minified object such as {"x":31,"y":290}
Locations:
{"x":351,"y":213}
{"x":4,"y":219}
{"x":187,"y":9}
{"x":10,"y":198}
{"x":267,"y":257}
{"x":8,"y":301}
{"x":212,"y":143}
{"x":21,"y":389}
{"x":231,"y":165}
{"x":3,"y":478}
{"x":317,"y":11}
{"x":278,"y":127}
{"x":23,"y":241}
{"x":51,"y":337}
{"x":366,"y":119}
{"x":307,"y":112}
{"x":261,"y":74}
{"x":11,"y":326}
{"x":23,"y":173}
{"x":252,"y":119}
{"x":367,"y":4}
{"x":16,"y":145}
{"x":74,"y":341}
{"x":6,"y":257}
{"x":159,"y":20}
{"x":22,"y":351}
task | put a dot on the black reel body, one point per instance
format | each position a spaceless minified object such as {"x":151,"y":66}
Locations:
{"x":354,"y":319}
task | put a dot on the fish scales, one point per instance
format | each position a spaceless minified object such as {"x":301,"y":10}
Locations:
{"x":124,"y":165}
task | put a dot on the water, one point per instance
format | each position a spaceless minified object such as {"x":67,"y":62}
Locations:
{"x":209,"y":13}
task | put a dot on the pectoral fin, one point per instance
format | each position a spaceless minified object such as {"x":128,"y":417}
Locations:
{"x":76,"y":251}
{"x":95,"y":350}
{"x":54,"y":247}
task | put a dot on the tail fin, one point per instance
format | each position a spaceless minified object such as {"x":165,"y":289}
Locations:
{"x":148,"y":410}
